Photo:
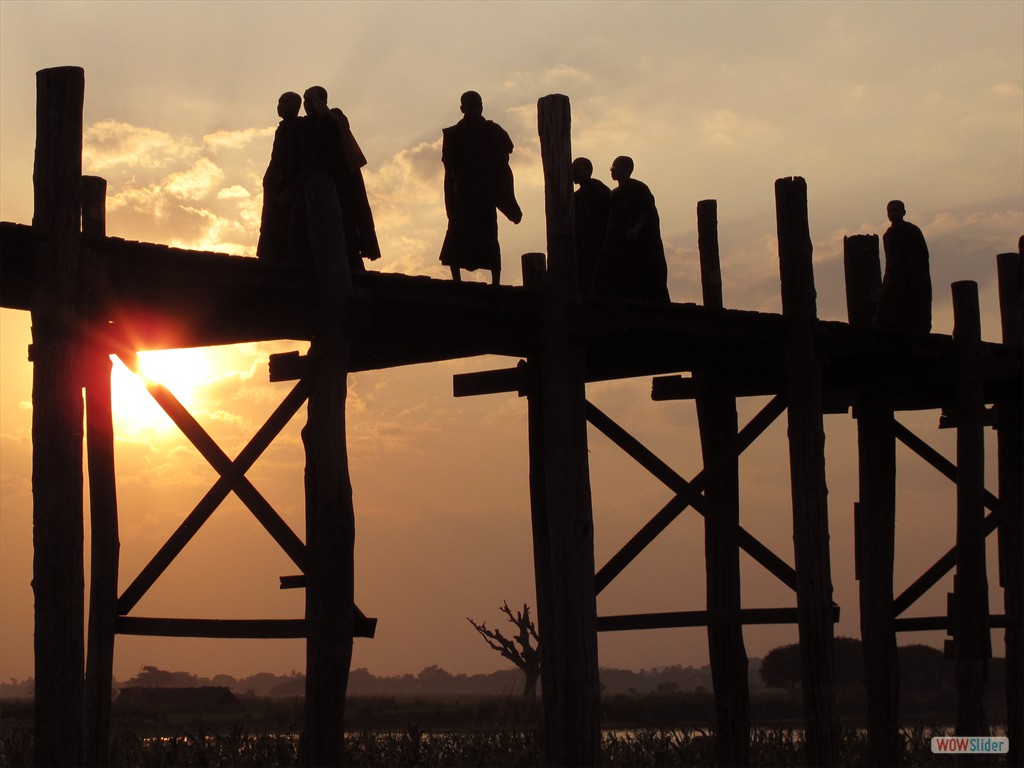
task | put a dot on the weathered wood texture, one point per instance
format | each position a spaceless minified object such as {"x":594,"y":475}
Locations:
{"x":1010,"y":426}
{"x":970,"y":621}
{"x":330,"y":518}
{"x":807,"y":472}
{"x":104,"y":540}
{"x":232,"y":477}
{"x":875,"y":513}
{"x":529,"y":381}
{"x":717,"y":419}
{"x":57,"y":414}
{"x":687,"y":493}
{"x":572,"y":735}
{"x":863,"y":274}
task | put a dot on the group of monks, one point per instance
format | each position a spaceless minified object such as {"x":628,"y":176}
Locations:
{"x":619,"y":249}
{"x":319,"y":142}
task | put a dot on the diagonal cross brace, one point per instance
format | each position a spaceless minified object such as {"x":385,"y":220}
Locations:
{"x":232,"y":477}
{"x":944,"y":564}
{"x":687,"y":493}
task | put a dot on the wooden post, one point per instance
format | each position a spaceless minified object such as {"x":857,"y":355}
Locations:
{"x":533,"y":279}
{"x":875,"y":513}
{"x":863,"y":278}
{"x":716,"y":415}
{"x":971,"y":641}
{"x":807,"y":472}
{"x":102,"y":492}
{"x":1010,"y":426}
{"x":330,"y":519}
{"x":57,"y":412}
{"x":569,"y":672}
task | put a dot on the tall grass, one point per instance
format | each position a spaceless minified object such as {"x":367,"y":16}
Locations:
{"x":694,"y":748}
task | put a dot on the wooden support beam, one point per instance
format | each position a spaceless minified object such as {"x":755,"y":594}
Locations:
{"x":232,"y":477}
{"x":933,"y":623}
{"x":717,"y":419}
{"x":57,"y":414}
{"x":687,"y":494}
{"x":572,"y":724}
{"x":875,"y":513}
{"x":215,"y":628}
{"x":807,"y":472}
{"x":1010,"y":433}
{"x":947,"y":562}
{"x":529,"y":379}
{"x":490,"y":382}
{"x":104,"y":540}
{"x":230,"y":628}
{"x":330,"y":518}
{"x":717,"y":618}
{"x":969,"y":622}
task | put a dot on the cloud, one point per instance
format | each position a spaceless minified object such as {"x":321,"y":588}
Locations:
{"x":233,"y":192}
{"x":1006,"y":90}
{"x":111,"y":144}
{"x":195,"y":183}
{"x":562,"y":74}
{"x":236,"y":139}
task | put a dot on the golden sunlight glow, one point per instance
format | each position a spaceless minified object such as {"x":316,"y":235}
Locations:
{"x":181,"y":371}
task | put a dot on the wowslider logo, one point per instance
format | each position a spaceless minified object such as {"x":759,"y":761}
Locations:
{"x":970,"y":745}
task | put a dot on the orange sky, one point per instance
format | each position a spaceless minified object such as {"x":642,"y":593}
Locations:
{"x":867,"y":102}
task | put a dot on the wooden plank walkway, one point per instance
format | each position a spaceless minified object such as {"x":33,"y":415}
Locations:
{"x":405,"y":320}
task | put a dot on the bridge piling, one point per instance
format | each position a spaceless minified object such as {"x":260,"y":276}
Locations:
{"x":57,"y":525}
{"x":718,"y":423}
{"x":807,"y":472}
{"x":875,"y":512}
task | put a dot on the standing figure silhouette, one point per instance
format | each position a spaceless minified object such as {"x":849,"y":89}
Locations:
{"x":632,"y":263}
{"x":906,"y":300}
{"x":281,"y":174}
{"x":591,"y":210}
{"x":477,"y":183}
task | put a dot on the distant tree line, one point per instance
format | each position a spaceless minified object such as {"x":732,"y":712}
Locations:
{"x":922,"y":668}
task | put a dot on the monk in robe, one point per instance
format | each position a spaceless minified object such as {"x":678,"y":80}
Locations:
{"x":281,"y":173}
{"x":477,"y":184}
{"x":590,"y":202}
{"x":905,"y":303}
{"x":632,"y":263}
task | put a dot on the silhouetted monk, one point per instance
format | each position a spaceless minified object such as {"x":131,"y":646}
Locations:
{"x":328,"y":146}
{"x":906,"y":300}
{"x":591,"y":211}
{"x":632,"y":262}
{"x":281,"y":173}
{"x":477,"y":183}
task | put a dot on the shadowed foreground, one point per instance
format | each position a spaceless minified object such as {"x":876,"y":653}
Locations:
{"x":238,"y":746}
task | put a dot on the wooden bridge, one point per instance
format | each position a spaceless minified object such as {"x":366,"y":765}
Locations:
{"x":92,"y":296}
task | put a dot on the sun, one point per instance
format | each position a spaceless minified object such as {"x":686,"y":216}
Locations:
{"x":182,"y":371}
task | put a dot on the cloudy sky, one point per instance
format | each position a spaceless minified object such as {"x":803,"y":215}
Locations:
{"x":867,"y":101}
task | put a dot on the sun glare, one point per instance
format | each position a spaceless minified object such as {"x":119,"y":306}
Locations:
{"x":179,"y":370}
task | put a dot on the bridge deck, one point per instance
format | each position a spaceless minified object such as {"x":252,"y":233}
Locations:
{"x":158,"y":297}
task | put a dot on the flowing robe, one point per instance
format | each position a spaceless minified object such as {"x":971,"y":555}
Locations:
{"x":591,"y":211}
{"x":632,"y":263}
{"x":477,"y":183}
{"x":906,"y":300}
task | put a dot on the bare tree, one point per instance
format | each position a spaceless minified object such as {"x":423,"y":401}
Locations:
{"x":522,"y":649}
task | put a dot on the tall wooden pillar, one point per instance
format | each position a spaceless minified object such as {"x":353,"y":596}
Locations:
{"x":330,"y":518}
{"x":807,"y":472}
{"x":104,"y":544}
{"x":569,"y":671}
{"x":1010,"y":426}
{"x":57,"y":412}
{"x":530,"y":381}
{"x":875,"y":513}
{"x":716,"y":415}
{"x":969,"y":619}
